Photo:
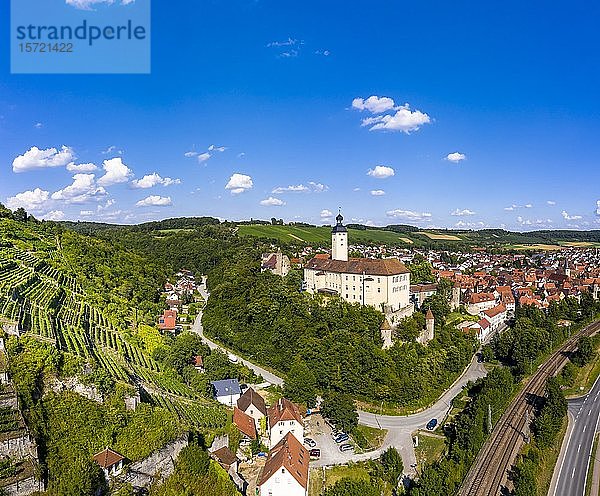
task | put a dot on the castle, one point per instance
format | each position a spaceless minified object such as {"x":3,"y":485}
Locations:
{"x":380,"y":283}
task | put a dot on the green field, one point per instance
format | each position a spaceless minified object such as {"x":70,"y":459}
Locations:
{"x":321,"y":235}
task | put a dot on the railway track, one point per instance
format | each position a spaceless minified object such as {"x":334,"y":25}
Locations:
{"x":497,"y":455}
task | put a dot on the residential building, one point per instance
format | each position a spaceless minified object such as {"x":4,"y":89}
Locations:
{"x":253,"y":404}
{"x":227,"y":391}
{"x":286,"y":470}
{"x":283,"y":417}
{"x":168,"y":320}
{"x":110,"y":462}
{"x":245,"y":424}
{"x":277,"y":263}
{"x":478,"y":302}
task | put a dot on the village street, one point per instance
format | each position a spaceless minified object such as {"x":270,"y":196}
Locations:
{"x":399,"y":428}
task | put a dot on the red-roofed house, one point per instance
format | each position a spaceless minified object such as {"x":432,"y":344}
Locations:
{"x":168,"y":320}
{"x":110,"y":461}
{"x":478,"y":302}
{"x":286,"y":470}
{"x":495,"y":316}
{"x":245,"y":423}
{"x":284,"y":416}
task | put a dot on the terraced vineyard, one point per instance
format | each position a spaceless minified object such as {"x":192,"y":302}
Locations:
{"x":42,"y":302}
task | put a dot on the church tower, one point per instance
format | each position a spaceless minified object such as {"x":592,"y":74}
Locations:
{"x":339,"y":240}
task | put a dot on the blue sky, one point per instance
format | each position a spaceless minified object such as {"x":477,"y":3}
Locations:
{"x":277,"y":93}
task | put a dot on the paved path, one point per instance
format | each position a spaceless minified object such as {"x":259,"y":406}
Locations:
{"x":584,"y":415}
{"x":400,"y":428}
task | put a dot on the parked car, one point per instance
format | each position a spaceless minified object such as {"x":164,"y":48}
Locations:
{"x":341,"y":438}
{"x":431,"y":424}
{"x":315,"y":453}
{"x":346,"y":447}
{"x":311,"y":443}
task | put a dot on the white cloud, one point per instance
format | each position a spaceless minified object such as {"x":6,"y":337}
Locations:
{"x":35,"y":158}
{"x":511,"y":208}
{"x":551,"y":202}
{"x":528,"y":205}
{"x":288,"y":42}
{"x":155,"y":201}
{"x":377,"y":192}
{"x":598,"y":207}
{"x":109,"y":203}
{"x":318,"y":187}
{"x":455,"y":157}
{"x":89,"y":4}
{"x":534,"y":222}
{"x":297,"y":188}
{"x":326,"y":214}
{"x":190,"y":154}
{"x":55,"y":215}
{"x":460,"y":213}
{"x":567,"y":216}
{"x":38,"y":125}
{"x":381,"y":172}
{"x":238,"y":183}
{"x":215,"y":148}
{"x":203,"y":157}
{"x":88,"y":167}
{"x":325,"y":53}
{"x":373,"y":104}
{"x":408,"y":215}
{"x":112,"y":149}
{"x":404,"y":120}
{"x":115,"y":172}
{"x":86,"y":213}
{"x":32,"y":201}
{"x":154,"y":179}
{"x":83,"y":189}
{"x":301,"y":188}
{"x":469,"y":225}
{"x":272,"y":202}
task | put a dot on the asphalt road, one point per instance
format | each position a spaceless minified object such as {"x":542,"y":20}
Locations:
{"x":584,"y":413}
{"x":400,"y":428}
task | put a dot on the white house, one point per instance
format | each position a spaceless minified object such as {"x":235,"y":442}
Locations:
{"x":253,"y":404}
{"x":284,"y":417}
{"x":227,"y":391}
{"x":381,"y":283}
{"x":495,"y":316}
{"x":110,"y":461}
{"x":286,"y":470}
{"x":479,"y":302}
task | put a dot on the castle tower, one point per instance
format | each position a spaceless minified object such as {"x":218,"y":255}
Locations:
{"x":339,"y":240}
{"x":427,"y":333}
{"x":386,"y":334}
{"x":455,"y":301}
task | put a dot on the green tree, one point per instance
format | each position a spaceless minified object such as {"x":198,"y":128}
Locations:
{"x":301,"y":385}
{"x":392,"y":466}
{"x":341,"y":410}
{"x":585,"y":351}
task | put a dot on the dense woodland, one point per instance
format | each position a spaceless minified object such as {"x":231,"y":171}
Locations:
{"x":268,"y":319}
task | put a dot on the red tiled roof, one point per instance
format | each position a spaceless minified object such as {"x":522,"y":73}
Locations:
{"x":290,"y":455}
{"x":481,"y":297}
{"x":245,"y":423}
{"x":498,"y":309}
{"x":108,"y":458}
{"x":284,"y":409}
{"x":224,"y":456}
{"x":370,"y":266}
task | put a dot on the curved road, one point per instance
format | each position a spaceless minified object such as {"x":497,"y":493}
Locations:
{"x":584,"y":413}
{"x":400,"y":428}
